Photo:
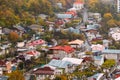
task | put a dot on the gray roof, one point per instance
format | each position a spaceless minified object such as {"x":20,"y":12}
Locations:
{"x":59,"y":63}
{"x":6,"y":31}
{"x":111,"y":51}
{"x":3,"y":78}
{"x":19,"y":28}
{"x":63,"y":16}
{"x":97,"y":57}
{"x":35,"y":27}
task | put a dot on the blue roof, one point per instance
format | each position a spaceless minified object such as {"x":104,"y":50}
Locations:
{"x":62,"y":16}
{"x":97,"y":57}
{"x":59,"y":63}
{"x":111,"y":51}
{"x":96,"y":75}
{"x":71,"y":29}
{"x":3,"y":78}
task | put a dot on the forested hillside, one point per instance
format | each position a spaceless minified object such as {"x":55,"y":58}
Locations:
{"x":15,"y":11}
{"x":25,"y":11}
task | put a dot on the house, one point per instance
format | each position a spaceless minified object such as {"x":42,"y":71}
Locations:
{"x":35,"y":42}
{"x":6,"y":30}
{"x":2,"y":66}
{"x":43,"y":16}
{"x":111,"y":54}
{"x":115,"y":33}
{"x":97,"y":47}
{"x":73,"y":30}
{"x":19,"y":28}
{"x":74,"y":14}
{"x":74,"y":61}
{"x":60,"y":5}
{"x":98,"y":76}
{"x":60,"y":52}
{"x":32,"y":53}
{"x":106,"y":43}
{"x":72,"y":9}
{"x":92,"y":29}
{"x":36,"y":28}
{"x":59,"y":22}
{"x":76,"y":43}
{"x":3,"y":77}
{"x":20,"y":44}
{"x":44,"y":72}
{"x":64,"y":16}
{"x":116,"y":36}
{"x":78,"y":4}
{"x":117,"y":78}
{"x":5,"y":48}
{"x":95,"y":16}
{"x":65,"y":66}
{"x":98,"y":60}
{"x":5,"y":66}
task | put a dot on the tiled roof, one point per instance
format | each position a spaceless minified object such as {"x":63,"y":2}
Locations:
{"x":67,"y":49}
{"x":78,"y":3}
{"x":44,"y":70}
{"x":32,"y":52}
{"x":87,"y":59}
{"x":71,"y":12}
{"x":36,"y":42}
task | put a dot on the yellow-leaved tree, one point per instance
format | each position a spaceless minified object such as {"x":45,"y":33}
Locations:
{"x":13,"y":36}
{"x":16,"y":75}
{"x":107,"y":16}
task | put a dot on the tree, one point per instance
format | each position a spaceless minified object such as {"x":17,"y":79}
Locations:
{"x":21,"y":66}
{"x":13,"y":36}
{"x":92,"y":4}
{"x":16,"y":75}
{"x":8,"y":17}
{"x":112,"y":23}
{"x":108,"y":63}
{"x":62,"y":77}
{"x":108,"y":16}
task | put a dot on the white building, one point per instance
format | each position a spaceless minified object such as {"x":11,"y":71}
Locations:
{"x":78,"y":5}
{"x":116,"y":36}
{"x":118,"y":5}
{"x":115,"y":33}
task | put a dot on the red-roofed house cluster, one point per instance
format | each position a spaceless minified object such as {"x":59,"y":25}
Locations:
{"x":60,"y":52}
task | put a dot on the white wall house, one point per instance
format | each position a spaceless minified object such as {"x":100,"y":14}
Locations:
{"x":78,"y":5}
{"x":115,"y":33}
{"x":116,"y":36}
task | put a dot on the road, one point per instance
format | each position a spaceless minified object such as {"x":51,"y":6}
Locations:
{"x":85,"y":15}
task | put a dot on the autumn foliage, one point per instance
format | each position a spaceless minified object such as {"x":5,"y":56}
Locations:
{"x":13,"y":36}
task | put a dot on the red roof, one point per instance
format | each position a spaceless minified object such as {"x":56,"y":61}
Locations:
{"x":44,"y":71}
{"x":117,"y":75}
{"x":2,"y":63}
{"x":87,"y":59}
{"x":67,"y":49}
{"x":59,"y":22}
{"x":71,"y":12}
{"x":78,"y":2}
{"x":31,"y":52}
{"x":36,"y":42}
